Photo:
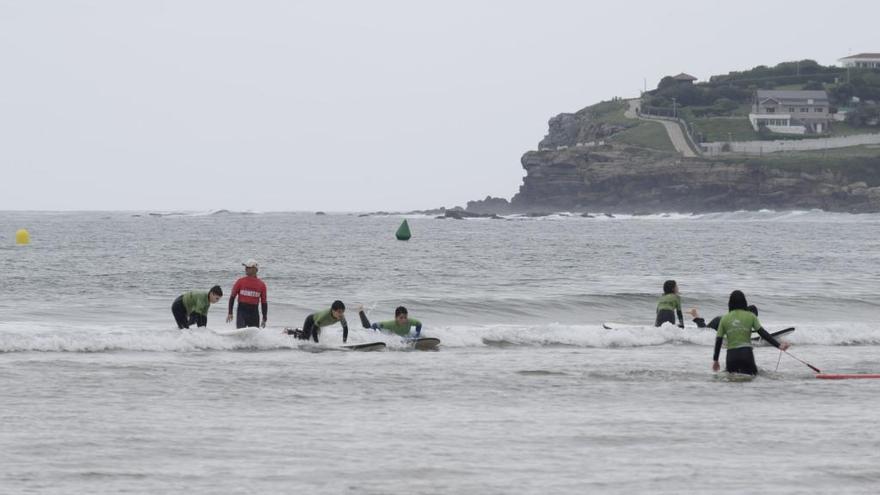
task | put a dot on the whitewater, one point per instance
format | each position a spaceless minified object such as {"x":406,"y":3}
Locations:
{"x":528,"y":393}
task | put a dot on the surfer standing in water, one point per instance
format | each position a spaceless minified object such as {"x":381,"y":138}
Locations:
{"x":251,"y":293}
{"x":400,"y":325}
{"x":737,"y":326}
{"x":191,"y":308}
{"x":669,"y":305}
{"x":315,"y":321}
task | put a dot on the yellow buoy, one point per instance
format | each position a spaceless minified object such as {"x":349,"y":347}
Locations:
{"x":22,"y":236}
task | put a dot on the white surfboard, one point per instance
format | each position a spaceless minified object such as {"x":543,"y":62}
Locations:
{"x":238,"y":332}
{"x":370,"y":346}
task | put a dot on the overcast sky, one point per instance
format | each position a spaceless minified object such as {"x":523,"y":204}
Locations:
{"x":345,"y":106}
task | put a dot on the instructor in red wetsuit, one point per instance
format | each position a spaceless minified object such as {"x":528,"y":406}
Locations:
{"x":251,"y":291}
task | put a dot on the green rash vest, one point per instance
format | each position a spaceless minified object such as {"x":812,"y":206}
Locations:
{"x":325,"y":318}
{"x":670,"y":301}
{"x":402,"y":330}
{"x":196,"y":301}
{"x":738,"y":326}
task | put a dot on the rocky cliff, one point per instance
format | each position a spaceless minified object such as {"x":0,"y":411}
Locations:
{"x":580,"y":167}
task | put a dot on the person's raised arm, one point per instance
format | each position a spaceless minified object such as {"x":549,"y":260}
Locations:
{"x":364,"y":320}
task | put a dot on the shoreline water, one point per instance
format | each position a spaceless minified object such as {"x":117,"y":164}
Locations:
{"x":528,"y":394}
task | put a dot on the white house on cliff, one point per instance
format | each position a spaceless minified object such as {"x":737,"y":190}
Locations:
{"x":861,"y":61}
{"x":791,"y":111}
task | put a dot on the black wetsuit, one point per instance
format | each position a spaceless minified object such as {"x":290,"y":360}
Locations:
{"x":309,"y":330}
{"x":742,"y":359}
{"x":668,"y":315}
{"x":248,"y":315}
{"x":183,"y":320}
{"x":713,"y":324}
{"x":312,"y":329}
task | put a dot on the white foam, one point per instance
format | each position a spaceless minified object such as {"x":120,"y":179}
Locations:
{"x":72,"y":338}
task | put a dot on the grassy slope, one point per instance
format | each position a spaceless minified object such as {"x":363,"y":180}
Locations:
{"x":642,"y":134}
{"x":724,"y":129}
{"x":647,"y":135}
{"x":609,"y":112}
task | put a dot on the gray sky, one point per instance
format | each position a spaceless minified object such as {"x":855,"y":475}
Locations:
{"x":345,"y":106}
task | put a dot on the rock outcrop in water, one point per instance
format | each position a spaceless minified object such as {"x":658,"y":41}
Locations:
{"x":580,"y":166}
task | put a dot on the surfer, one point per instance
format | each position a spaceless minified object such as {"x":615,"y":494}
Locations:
{"x":737,"y":327}
{"x":669,"y":305}
{"x":400,"y":325}
{"x":252,"y":296}
{"x":191,"y":308}
{"x":315,"y":321}
{"x":713,"y":323}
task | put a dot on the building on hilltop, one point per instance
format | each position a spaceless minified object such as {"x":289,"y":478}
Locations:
{"x":791,"y":111}
{"x":861,"y":61}
{"x":684,"y":78}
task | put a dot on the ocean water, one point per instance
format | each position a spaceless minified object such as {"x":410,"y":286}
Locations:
{"x":101,"y":393}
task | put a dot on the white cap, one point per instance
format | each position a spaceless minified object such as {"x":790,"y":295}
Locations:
{"x":251,"y":263}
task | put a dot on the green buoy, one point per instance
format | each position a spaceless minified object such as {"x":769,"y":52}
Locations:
{"x":403,"y":233}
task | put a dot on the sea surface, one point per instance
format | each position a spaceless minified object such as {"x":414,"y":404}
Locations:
{"x":101,"y":393}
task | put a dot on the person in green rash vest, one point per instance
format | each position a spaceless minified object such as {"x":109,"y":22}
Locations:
{"x":191,"y":308}
{"x":737,"y":327}
{"x":316,"y":321}
{"x":669,"y":305}
{"x":401,"y":324}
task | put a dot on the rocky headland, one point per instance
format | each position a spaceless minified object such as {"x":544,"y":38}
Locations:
{"x":590,"y":162}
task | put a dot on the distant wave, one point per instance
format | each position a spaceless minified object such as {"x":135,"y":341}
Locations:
{"x":741,"y":215}
{"x":198,"y":213}
{"x":39,"y":338}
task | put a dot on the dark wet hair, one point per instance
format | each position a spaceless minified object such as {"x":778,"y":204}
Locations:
{"x":669,"y":286}
{"x":216,"y":290}
{"x":753,"y":309}
{"x":400,"y":311}
{"x":337,"y":305}
{"x":737,"y":301}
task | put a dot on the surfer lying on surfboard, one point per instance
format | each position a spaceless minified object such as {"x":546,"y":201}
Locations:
{"x":316,"y":321}
{"x":400,"y":325}
{"x":737,"y":327}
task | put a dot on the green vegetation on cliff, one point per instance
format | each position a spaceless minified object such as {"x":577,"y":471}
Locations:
{"x":609,"y":112}
{"x":856,"y":90}
{"x":647,"y":135}
{"x":722,"y":129}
